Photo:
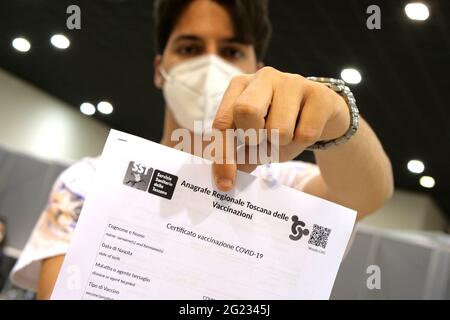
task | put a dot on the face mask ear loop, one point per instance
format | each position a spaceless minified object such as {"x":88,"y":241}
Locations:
{"x":164,"y":74}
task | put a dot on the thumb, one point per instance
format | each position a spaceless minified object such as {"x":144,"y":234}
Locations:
{"x":224,"y":175}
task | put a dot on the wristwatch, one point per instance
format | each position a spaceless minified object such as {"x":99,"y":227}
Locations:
{"x":339,"y":86}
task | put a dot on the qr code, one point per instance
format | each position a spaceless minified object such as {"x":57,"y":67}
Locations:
{"x":319,"y":236}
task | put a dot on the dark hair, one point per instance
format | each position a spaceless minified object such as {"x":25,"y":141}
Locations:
{"x":250,"y":19}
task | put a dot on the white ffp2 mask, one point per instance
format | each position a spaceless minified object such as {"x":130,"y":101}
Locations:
{"x":194,"y":89}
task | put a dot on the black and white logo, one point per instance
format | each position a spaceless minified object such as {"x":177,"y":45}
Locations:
{"x":153,"y":181}
{"x":138,"y":176}
{"x":163,"y":184}
{"x":297,"y":229}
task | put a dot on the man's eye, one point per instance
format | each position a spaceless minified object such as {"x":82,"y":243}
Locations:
{"x":189,"y":50}
{"x":232,"y":53}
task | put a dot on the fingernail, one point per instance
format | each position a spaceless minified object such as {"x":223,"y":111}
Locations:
{"x":225,"y":183}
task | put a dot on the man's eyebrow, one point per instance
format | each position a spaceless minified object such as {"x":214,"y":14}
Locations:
{"x":190,"y":37}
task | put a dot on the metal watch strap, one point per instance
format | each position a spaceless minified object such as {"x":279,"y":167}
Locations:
{"x":339,"y":87}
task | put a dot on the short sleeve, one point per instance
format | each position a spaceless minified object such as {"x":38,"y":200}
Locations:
{"x":54,"y":229}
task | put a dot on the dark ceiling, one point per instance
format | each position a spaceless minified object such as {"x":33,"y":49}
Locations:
{"x":405,"y":66}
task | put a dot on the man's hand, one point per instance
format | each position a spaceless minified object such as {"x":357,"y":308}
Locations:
{"x":302,"y":111}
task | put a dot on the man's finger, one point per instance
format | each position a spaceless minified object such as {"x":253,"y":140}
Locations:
{"x":251,"y":107}
{"x":285,"y":108}
{"x":224,"y":164}
{"x":313,"y":117}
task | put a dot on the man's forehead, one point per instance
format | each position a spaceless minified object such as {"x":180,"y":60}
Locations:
{"x":203,"y":30}
{"x":206,"y":19}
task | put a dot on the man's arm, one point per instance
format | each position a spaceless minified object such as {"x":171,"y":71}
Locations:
{"x":356,"y":174}
{"x":49,"y":273}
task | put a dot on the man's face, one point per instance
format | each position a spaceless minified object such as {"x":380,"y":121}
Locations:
{"x":205,"y":27}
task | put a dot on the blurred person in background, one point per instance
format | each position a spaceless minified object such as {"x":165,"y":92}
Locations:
{"x":207,"y":46}
{"x":7,"y":290}
{"x":2,"y":246}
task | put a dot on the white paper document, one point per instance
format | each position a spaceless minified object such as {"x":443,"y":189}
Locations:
{"x":154,"y":226}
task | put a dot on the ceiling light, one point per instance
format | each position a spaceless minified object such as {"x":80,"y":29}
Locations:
{"x":60,"y":41}
{"x":87,"y":108}
{"x":427,"y":182}
{"x":21,"y":44}
{"x":351,"y":76}
{"x":105,"y":107}
{"x":417,"y":11}
{"x":416,"y":166}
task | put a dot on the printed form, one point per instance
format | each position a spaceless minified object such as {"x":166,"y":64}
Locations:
{"x":154,"y":226}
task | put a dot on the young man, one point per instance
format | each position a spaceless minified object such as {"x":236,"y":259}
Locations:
{"x":207,"y":46}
